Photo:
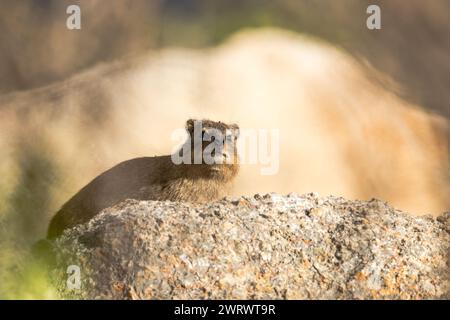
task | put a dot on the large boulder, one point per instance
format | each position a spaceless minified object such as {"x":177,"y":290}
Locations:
{"x":325,"y":104}
{"x":261,"y":247}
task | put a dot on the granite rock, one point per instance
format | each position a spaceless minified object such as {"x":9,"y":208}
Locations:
{"x":260,"y":247}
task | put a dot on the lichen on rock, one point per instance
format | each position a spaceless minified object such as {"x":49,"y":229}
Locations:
{"x":260,"y":247}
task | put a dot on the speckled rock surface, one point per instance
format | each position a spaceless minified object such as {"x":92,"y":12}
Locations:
{"x":260,"y":247}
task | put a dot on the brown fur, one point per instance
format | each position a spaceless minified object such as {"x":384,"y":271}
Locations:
{"x":149,"y":178}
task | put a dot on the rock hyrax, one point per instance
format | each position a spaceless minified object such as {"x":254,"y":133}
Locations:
{"x":159,"y":178}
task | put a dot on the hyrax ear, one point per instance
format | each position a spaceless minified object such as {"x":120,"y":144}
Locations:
{"x":236,"y":131}
{"x":190,"y":126}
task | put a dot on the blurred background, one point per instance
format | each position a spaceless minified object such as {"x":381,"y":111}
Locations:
{"x":361,"y":113}
{"x":413,"y":46}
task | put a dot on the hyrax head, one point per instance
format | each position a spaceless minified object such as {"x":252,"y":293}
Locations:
{"x":213,"y":145}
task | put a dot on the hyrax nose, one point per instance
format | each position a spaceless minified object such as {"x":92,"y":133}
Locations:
{"x":223,"y":153}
